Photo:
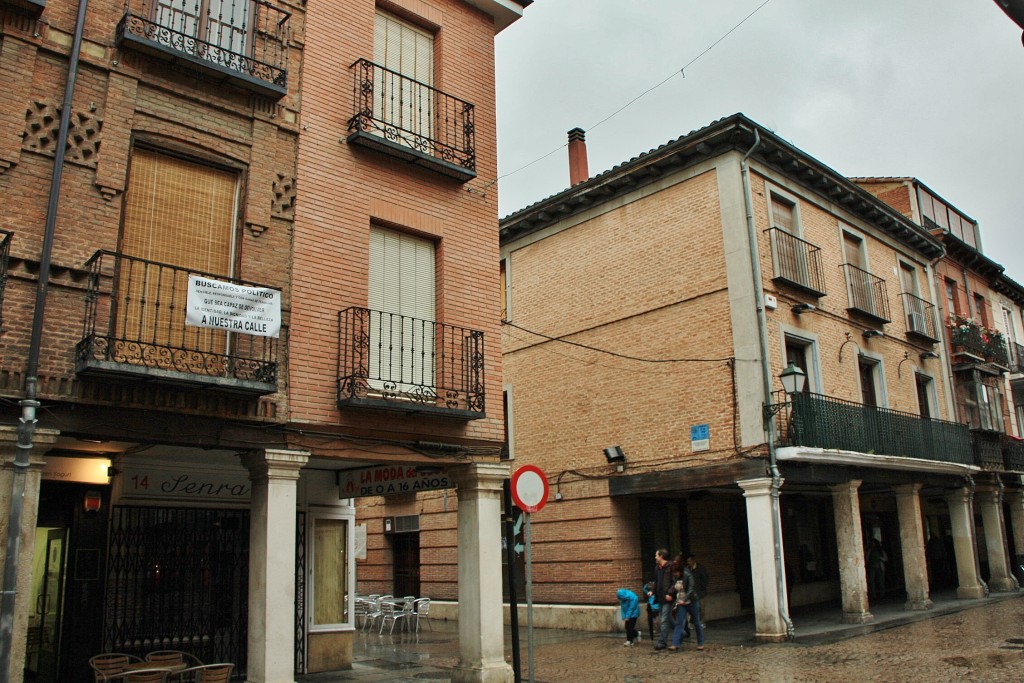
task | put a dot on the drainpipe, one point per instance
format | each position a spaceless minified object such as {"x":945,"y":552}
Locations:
{"x":762,"y":335}
{"x":29,"y":404}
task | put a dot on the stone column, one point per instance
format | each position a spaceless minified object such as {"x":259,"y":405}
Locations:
{"x":853,"y":580}
{"x":42,"y":441}
{"x":768,"y":622}
{"x":1015,"y":501}
{"x":960,"y":516}
{"x":274,"y":475}
{"x":915,"y":564}
{"x":990,"y":500}
{"x":481,"y":609}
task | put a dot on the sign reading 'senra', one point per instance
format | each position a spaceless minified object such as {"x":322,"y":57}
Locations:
{"x":233,"y":307}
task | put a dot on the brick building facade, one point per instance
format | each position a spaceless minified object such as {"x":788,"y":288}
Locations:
{"x":244,"y":230}
{"x":654,"y":307}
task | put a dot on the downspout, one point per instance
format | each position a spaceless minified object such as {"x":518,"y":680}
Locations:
{"x":762,"y":335}
{"x":29,"y":404}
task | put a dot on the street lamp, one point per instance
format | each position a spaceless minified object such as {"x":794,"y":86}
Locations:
{"x":793,"y":380}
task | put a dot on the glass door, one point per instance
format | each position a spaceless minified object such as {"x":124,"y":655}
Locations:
{"x":43,"y":637}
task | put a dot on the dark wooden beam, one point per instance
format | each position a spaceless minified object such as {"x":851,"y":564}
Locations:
{"x":687,"y":478}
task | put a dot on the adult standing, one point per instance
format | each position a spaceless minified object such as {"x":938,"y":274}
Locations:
{"x":688,"y":604}
{"x":663,"y":592}
{"x":700,"y":576}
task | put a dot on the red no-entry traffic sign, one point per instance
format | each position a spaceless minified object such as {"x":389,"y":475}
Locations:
{"x":530,"y":488}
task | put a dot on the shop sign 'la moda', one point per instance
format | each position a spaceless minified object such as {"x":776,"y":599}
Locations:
{"x":233,"y":307}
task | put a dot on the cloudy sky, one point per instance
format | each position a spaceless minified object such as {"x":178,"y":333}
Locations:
{"x":927,"y":88}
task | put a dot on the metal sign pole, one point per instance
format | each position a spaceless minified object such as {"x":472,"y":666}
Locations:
{"x":529,"y":598}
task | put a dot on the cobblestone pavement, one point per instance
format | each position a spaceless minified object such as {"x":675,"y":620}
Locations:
{"x":984,"y":642}
{"x":980,"y":644}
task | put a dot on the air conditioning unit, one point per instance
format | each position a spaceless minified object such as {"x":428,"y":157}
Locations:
{"x":401,"y":524}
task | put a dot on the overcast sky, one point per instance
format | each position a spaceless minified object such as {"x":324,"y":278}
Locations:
{"x":932,"y":89}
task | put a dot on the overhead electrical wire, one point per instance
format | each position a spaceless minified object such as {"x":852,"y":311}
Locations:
{"x":681,"y":71}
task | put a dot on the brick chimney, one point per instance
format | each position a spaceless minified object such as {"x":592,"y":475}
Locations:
{"x":577,"y":157}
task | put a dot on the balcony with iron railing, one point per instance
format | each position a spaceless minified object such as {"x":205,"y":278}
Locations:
{"x":818,"y":421}
{"x":974,"y":343}
{"x":400,"y":363}
{"x":920,"y":317}
{"x":412,"y":121}
{"x":867,"y":293}
{"x":796,"y":262}
{"x":1013,"y":453}
{"x":243,"y":41}
{"x":5,"y":258}
{"x":1016,"y":357}
{"x":135,"y":328}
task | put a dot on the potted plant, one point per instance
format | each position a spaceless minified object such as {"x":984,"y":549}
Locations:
{"x":964,"y":334}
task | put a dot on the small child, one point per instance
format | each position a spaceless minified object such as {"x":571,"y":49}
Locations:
{"x":629,"y":607}
{"x":652,"y":607}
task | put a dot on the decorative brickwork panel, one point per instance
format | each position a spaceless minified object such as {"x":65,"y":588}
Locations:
{"x":42,"y":122}
{"x":284,"y":197}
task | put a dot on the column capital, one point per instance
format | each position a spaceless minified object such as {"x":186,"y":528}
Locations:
{"x":762,"y":486}
{"x":907,"y":489}
{"x":42,"y":442}
{"x":850,"y":486}
{"x":480,"y":476}
{"x":272,"y":463}
{"x":962,"y":495}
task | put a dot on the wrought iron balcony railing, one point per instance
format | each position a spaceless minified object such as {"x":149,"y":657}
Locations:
{"x":412,"y":121}
{"x":796,"y":262}
{"x":1013,"y":454}
{"x":867,"y":293}
{"x":920,"y":317}
{"x":988,"y":449}
{"x":134,"y":326}
{"x":1016,"y":357}
{"x":819,"y":421}
{"x":5,"y":257}
{"x":246,"y":40}
{"x":396,"y":362}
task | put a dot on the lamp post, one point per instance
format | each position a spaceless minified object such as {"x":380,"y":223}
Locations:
{"x":793,"y":380}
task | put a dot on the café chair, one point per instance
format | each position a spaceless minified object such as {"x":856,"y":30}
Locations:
{"x":172,"y":658}
{"x":421,"y":610}
{"x":204,"y":673}
{"x":108,"y":665}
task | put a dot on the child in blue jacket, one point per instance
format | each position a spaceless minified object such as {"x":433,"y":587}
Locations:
{"x":629,"y":607}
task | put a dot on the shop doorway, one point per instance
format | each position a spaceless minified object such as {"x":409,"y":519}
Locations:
{"x":66,"y":570}
{"x":407,"y":563}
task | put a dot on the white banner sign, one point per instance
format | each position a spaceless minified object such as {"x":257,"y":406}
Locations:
{"x":232,"y":307}
{"x":384,"y":480}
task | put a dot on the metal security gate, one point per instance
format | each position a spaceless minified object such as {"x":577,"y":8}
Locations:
{"x":178,"y":578}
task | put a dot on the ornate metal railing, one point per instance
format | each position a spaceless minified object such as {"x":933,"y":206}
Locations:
{"x":867,"y":292}
{"x":988,"y":449}
{"x":135,"y":324}
{"x":920,"y":316}
{"x":1013,"y":453}
{"x":247,"y":37}
{"x":1016,"y":357}
{"x":819,"y":421}
{"x":398,"y":362}
{"x":5,"y":258}
{"x":412,"y":115}
{"x":797,"y":262}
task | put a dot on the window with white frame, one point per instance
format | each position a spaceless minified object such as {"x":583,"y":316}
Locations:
{"x":402,"y":304}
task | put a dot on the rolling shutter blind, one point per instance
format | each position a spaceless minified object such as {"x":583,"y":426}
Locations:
{"x":177,"y":213}
{"x":408,"y":50}
{"x":401,"y":288}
